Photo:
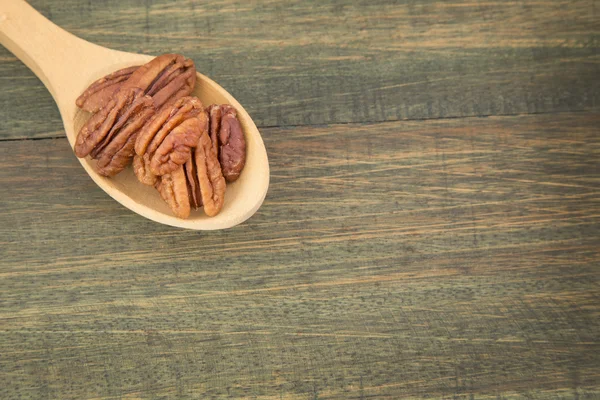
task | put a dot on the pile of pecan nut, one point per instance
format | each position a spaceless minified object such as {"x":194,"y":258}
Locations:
{"x":145,"y":115}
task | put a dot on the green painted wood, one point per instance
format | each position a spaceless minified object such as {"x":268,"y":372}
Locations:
{"x":315,"y":62}
{"x":444,"y":259}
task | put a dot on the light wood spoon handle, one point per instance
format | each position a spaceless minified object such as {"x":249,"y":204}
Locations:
{"x":62,"y":61}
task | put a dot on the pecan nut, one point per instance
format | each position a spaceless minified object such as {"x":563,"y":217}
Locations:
{"x":99,"y":93}
{"x":109,"y":135}
{"x":211,"y":181}
{"x":165,"y":78}
{"x":192,"y":183}
{"x":173,"y":189}
{"x":197,"y":183}
{"x":170,"y":136}
{"x":141,"y":168}
{"x":228,"y":138}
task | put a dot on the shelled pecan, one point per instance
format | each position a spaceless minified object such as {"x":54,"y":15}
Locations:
{"x":99,"y":93}
{"x":169,"y":137}
{"x":174,"y":191}
{"x":228,"y":139}
{"x":109,"y":135}
{"x":197,"y":183}
{"x":141,"y":169}
{"x":165,"y":78}
{"x":210,"y":177}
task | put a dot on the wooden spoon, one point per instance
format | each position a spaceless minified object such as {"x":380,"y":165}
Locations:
{"x":67,"y":64}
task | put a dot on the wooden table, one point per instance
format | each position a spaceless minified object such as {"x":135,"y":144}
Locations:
{"x":432,"y":228}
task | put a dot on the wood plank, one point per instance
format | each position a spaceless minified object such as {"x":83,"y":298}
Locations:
{"x":317,"y":62}
{"x":449,"y":258}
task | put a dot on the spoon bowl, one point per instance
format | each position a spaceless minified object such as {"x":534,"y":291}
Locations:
{"x":67,"y":65}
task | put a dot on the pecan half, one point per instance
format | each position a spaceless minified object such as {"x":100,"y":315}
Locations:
{"x":166,"y":78}
{"x":169,"y":137}
{"x":199,"y":182}
{"x":210,"y":177}
{"x":215,"y":114}
{"x":99,"y":93}
{"x":173,"y":189}
{"x":228,"y":138}
{"x":192,"y":183}
{"x":176,"y":149}
{"x":141,"y":168}
{"x":109,"y":135}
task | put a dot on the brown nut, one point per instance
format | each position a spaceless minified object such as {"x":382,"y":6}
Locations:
{"x":177,"y":147}
{"x":226,"y":130}
{"x":166,"y":78}
{"x":210,"y":177}
{"x":199,"y":182}
{"x":141,"y":168}
{"x":215,"y":114}
{"x":169,"y":137}
{"x":109,"y":135}
{"x":99,"y":93}
{"x":192,"y":183}
{"x":173,"y":189}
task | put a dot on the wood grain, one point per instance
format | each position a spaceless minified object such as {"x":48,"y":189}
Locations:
{"x":445,"y":259}
{"x":316,"y":62}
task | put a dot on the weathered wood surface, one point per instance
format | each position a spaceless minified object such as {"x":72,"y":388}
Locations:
{"x":314,"y":62}
{"x":405,"y":248}
{"x":446,"y":259}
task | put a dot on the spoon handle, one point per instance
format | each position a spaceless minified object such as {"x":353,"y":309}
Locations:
{"x":45,"y":48}
{"x":62,"y":61}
